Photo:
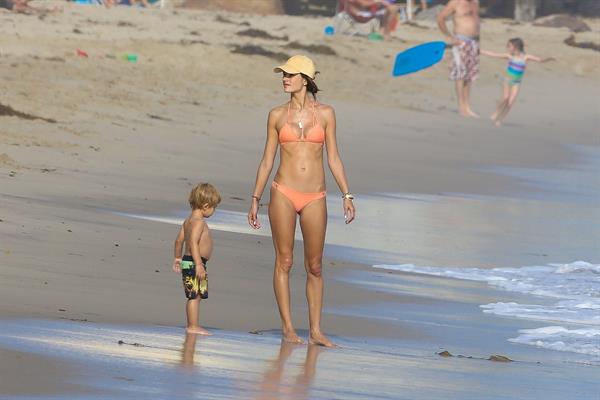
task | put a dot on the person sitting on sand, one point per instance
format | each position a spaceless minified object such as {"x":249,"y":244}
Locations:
{"x":517,"y":63}
{"x":23,"y":7}
{"x":385,"y":10}
{"x":301,"y":129}
{"x":464,"y":68}
{"x":195,"y":235}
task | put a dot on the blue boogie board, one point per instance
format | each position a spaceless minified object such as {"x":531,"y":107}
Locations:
{"x":419,"y":57}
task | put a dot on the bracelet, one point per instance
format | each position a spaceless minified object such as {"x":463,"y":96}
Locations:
{"x":256,"y":197}
{"x":348,"y":196}
{"x":178,"y":259}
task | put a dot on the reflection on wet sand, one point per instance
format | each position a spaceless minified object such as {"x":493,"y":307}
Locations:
{"x":188,"y":351}
{"x":152,"y":363}
{"x":273,"y":385}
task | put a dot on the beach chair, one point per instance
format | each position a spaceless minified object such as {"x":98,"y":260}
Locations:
{"x":349,"y":24}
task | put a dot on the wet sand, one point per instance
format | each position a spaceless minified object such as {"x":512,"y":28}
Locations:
{"x":153,"y":362}
{"x":40,"y":374}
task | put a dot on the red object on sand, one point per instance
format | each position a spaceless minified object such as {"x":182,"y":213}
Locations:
{"x":82,"y":53}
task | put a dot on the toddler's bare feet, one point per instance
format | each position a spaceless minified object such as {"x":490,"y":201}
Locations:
{"x":198,"y":330}
{"x":472,"y":113}
{"x":321,"y":340}
{"x":464,"y":113}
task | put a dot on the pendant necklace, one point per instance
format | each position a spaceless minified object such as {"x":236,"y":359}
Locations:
{"x":301,"y":125}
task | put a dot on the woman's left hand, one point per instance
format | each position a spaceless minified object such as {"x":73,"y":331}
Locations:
{"x":349,"y":211}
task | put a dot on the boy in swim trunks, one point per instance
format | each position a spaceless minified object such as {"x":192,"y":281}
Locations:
{"x":195,"y":236}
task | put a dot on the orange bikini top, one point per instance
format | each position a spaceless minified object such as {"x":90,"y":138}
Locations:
{"x":315,"y":134}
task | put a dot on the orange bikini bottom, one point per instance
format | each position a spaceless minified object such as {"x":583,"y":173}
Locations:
{"x":298,"y":199}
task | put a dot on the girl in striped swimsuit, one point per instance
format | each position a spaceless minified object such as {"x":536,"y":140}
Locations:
{"x":517,"y":62}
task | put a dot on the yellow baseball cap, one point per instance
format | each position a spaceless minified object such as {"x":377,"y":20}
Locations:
{"x":298,"y":65}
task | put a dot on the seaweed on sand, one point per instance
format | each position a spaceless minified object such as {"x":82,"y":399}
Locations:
{"x":313,"y":48}
{"x":260,"y":34}
{"x":254,"y":50}
{"x":570,"y":41}
{"x":11,"y":112}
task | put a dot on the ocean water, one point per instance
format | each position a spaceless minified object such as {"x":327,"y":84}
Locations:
{"x":566,"y":295}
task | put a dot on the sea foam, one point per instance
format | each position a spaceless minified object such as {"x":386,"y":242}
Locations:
{"x":568,"y":294}
{"x":585,"y":341}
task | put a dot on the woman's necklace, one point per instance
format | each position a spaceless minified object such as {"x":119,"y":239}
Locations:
{"x":300,"y":124}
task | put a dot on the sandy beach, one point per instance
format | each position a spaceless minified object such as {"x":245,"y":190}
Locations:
{"x":455,"y":217}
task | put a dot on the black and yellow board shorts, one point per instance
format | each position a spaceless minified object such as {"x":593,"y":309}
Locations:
{"x":191,"y":286}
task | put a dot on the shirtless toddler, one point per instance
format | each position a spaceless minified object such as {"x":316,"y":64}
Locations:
{"x":195,"y":235}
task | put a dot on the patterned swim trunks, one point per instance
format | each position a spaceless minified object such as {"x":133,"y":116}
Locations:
{"x":191,"y":285}
{"x":465,"y":60}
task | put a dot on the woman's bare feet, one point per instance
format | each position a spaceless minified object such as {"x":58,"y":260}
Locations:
{"x":198,"y":330}
{"x":290,"y":336}
{"x":321,"y":340}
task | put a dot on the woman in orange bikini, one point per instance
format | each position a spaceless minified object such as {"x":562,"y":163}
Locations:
{"x":300,"y":127}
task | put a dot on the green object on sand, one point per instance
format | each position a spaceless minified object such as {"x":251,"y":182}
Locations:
{"x":132,"y":58}
{"x":375,"y":36}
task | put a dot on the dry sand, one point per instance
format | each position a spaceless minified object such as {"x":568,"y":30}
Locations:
{"x":134,"y":137}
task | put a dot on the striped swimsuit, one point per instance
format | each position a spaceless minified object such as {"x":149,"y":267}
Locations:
{"x":515,"y":71}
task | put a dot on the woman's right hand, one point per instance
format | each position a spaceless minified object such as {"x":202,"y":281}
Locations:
{"x":253,"y":214}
